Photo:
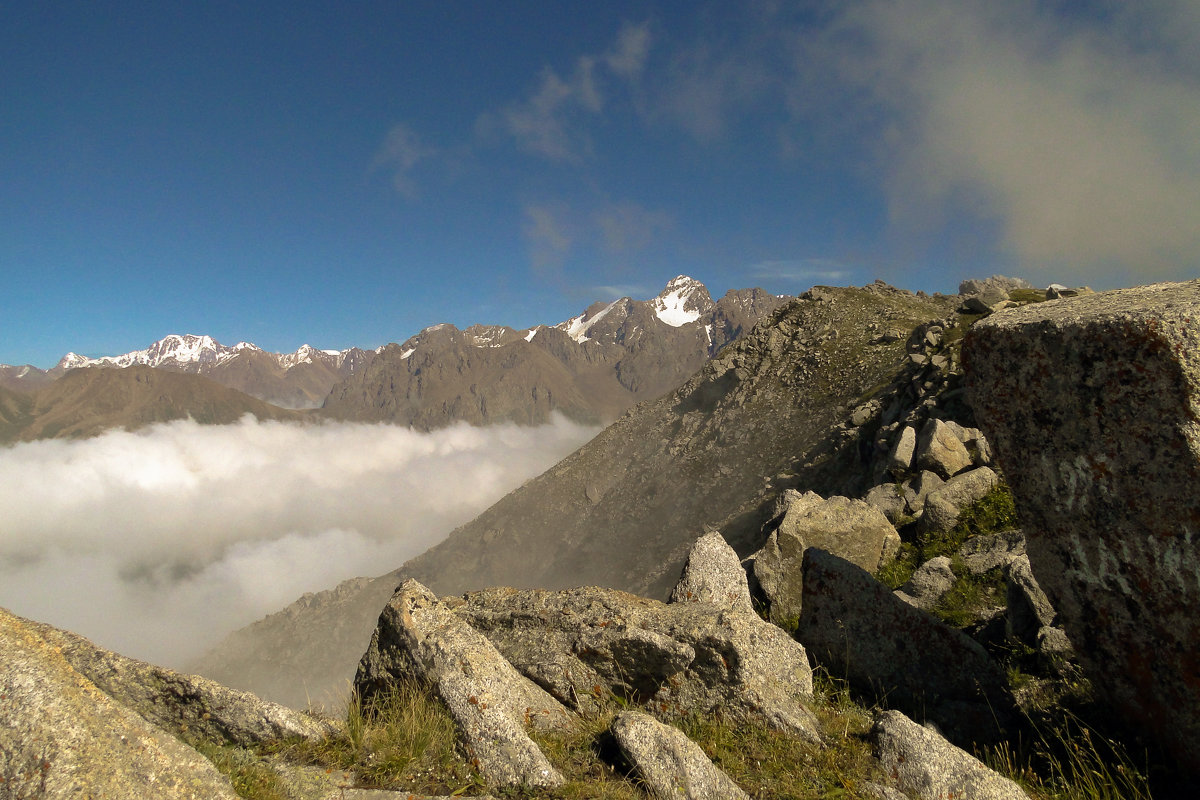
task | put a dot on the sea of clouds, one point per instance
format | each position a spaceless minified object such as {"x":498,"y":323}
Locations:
{"x":156,"y":543}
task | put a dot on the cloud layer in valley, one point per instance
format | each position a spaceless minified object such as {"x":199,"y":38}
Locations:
{"x":156,"y":543}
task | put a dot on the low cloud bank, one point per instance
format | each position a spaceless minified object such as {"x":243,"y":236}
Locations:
{"x":158,"y":542}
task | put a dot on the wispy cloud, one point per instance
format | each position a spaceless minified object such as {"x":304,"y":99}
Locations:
{"x":628,"y":227}
{"x":156,"y":543}
{"x":401,"y":151}
{"x":801,"y":270}
{"x":554,"y":121}
{"x":619,"y":291}
{"x":548,"y":234}
{"x":1078,"y":134}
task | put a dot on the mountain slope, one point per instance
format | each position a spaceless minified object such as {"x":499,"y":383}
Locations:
{"x":591,"y":367}
{"x":85,"y":402}
{"x":623,"y":509}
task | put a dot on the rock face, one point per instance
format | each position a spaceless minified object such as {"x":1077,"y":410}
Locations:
{"x":670,"y":764}
{"x":926,"y":765}
{"x":492,"y":704}
{"x":62,"y":737}
{"x":855,"y":627}
{"x":1093,"y":406}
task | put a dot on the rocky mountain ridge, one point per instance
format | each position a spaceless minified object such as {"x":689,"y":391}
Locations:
{"x":591,"y":367}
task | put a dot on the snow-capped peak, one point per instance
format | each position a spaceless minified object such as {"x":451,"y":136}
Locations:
{"x":682,"y":301}
{"x":577,"y":327}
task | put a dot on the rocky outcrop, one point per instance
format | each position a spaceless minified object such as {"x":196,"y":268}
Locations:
{"x":713,"y":574}
{"x":1093,"y":406}
{"x":669,"y":764}
{"x":62,"y":737}
{"x":420,"y":638}
{"x":856,"y":628}
{"x":187,"y":705}
{"x":924,"y":764}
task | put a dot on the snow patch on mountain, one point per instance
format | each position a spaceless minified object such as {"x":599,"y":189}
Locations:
{"x":577,"y":327}
{"x":192,"y":353}
{"x":684,"y":300}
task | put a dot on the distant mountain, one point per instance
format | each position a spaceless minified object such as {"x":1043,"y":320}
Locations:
{"x":85,"y":402}
{"x":768,"y":412}
{"x":591,"y":367}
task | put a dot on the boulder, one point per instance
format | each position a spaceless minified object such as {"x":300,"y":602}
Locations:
{"x":853,"y":529}
{"x":1091,"y":404}
{"x":918,"y":488}
{"x":940,"y":450}
{"x":996,"y":282}
{"x":679,"y":658}
{"x":669,"y":764}
{"x":713,"y":574}
{"x":928,"y":584}
{"x":944,"y":505}
{"x":420,"y":637}
{"x":888,"y":498}
{"x":900,"y":460}
{"x":924,"y":764}
{"x":857,"y":629}
{"x":1029,"y":609}
{"x":62,"y":737}
{"x":991,"y":551}
{"x":188,"y":705}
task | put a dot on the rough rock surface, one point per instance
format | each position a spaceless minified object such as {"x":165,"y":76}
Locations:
{"x":991,"y":551}
{"x":186,"y":704}
{"x":62,"y":737}
{"x":944,"y":505}
{"x":928,"y":584}
{"x":670,"y":764}
{"x":926,"y":765}
{"x":940,"y":450}
{"x":713,"y":574}
{"x":855,"y":627}
{"x":420,"y":637}
{"x":680,"y":657}
{"x":1029,"y":609}
{"x":1093,"y":407}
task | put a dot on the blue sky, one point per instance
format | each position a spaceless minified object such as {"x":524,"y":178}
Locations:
{"x":344,"y":174}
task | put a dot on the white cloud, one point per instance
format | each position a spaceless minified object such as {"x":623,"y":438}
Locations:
{"x":400,"y":152}
{"x":627,"y":57}
{"x":158,"y":542}
{"x":1079,"y":135}
{"x":801,"y":270}
{"x":548,"y":234}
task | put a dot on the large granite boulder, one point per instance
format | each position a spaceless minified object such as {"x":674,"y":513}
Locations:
{"x":857,"y":629}
{"x":419,"y":637}
{"x":1093,"y":407}
{"x":926,"y":765}
{"x":670,"y":765}
{"x":62,"y":737}
{"x":852,"y":529}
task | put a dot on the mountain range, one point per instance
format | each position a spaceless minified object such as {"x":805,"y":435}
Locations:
{"x":590,"y":368}
{"x":765,"y":414}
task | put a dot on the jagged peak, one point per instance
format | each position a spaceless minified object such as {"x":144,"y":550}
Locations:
{"x":684,"y":300}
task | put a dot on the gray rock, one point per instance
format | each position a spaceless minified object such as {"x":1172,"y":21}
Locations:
{"x":187,"y":705}
{"x":853,"y":529}
{"x":1091,"y":404}
{"x":713,"y":574}
{"x":924,"y":764}
{"x":849,"y":528}
{"x":670,"y":764}
{"x":1029,"y":609}
{"x":917,"y":489}
{"x":878,"y":791}
{"x":900,"y":460}
{"x":857,"y":629}
{"x":928,"y":584}
{"x":991,"y":551}
{"x":680,"y":658}
{"x":889,"y":499}
{"x":420,"y":637}
{"x":996,"y":282}
{"x":944,"y":505}
{"x":940,"y":451}
{"x":62,"y":737}
{"x":1055,"y":652}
